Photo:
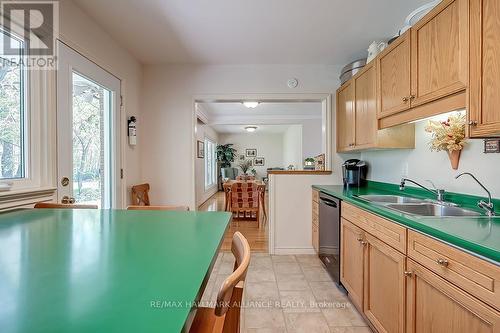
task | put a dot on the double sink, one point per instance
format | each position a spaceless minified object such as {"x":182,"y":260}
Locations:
{"x":419,"y":207}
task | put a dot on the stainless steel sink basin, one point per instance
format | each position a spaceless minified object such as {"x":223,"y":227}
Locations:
{"x":390,"y":199}
{"x":429,"y":209}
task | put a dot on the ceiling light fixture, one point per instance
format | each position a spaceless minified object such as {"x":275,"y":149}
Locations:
{"x":251,"y":104}
{"x":251,"y":129}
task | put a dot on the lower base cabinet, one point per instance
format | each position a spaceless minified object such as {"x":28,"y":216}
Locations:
{"x":384,"y":286}
{"x":435,"y":305}
{"x":352,"y":251}
{"x":398,"y":295}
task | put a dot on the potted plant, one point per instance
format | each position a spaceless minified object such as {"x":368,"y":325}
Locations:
{"x":225,"y":155}
{"x":449,"y":136}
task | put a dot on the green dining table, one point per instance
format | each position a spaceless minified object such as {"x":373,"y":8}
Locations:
{"x":104,"y":270}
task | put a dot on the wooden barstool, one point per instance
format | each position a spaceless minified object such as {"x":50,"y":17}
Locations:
{"x":225,"y":318}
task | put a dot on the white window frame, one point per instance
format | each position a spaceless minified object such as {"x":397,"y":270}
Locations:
{"x":39,"y":138}
{"x":210,"y":157}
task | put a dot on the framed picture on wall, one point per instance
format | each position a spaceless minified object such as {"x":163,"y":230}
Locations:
{"x":319,"y":162}
{"x":200,"y":149}
{"x":259,"y":161}
{"x":251,"y":152}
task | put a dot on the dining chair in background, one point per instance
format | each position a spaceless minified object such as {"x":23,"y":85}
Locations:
{"x":225,"y":318}
{"x":245,"y":198}
{"x":176,"y":208}
{"x":66,"y":206}
{"x":140,"y":195}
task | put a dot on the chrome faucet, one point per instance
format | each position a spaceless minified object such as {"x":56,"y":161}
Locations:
{"x":438,"y":193}
{"x":488,"y":207}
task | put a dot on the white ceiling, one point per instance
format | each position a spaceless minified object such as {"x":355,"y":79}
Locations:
{"x":267,"y":113}
{"x":240,"y":129}
{"x":331,"y":32}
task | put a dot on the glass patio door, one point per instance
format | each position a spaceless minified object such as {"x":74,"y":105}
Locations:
{"x":88,"y":145}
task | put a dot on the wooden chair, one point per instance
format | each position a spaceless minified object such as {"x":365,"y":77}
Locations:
{"x":245,"y":178}
{"x":225,"y":318}
{"x":245,"y":198}
{"x":178,"y":208}
{"x":140,"y":195}
{"x":66,"y":206}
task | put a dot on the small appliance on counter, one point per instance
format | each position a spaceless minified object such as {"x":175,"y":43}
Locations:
{"x":354,"y":173}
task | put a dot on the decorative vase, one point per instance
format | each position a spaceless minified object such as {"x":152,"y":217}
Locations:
{"x":454,"y":158}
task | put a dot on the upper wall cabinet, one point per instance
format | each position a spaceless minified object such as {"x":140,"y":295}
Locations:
{"x":394,"y":77}
{"x":357,"y":117}
{"x":439,"y":52}
{"x":484,"y":87}
{"x":426,"y":71}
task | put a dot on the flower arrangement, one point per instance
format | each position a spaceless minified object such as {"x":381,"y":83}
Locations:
{"x":448,"y":135}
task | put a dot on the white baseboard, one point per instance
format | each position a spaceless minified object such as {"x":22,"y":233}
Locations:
{"x":293,"y":250}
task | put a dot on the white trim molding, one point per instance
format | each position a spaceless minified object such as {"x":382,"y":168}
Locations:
{"x":26,"y":198}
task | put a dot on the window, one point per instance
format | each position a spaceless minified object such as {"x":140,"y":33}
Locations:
{"x":12,"y":110}
{"x":210,"y":163}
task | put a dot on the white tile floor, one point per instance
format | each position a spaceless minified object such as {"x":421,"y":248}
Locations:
{"x":288,"y":294}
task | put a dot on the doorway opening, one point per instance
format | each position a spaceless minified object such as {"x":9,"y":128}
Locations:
{"x":253,"y":136}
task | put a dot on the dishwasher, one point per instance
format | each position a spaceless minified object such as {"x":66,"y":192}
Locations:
{"x":329,"y":235}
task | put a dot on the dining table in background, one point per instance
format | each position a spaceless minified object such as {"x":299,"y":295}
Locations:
{"x":88,"y":270}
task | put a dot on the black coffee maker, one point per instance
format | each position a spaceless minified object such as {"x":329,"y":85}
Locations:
{"x":354,"y":173}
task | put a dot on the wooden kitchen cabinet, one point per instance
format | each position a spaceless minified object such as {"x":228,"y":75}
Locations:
{"x":365,"y":107}
{"x":315,"y":220}
{"x":484,"y":88}
{"x":351,"y":262}
{"x":435,"y":305}
{"x":357,"y":128}
{"x":393,"y":76}
{"x":384,"y":286}
{"x":426,"y":71}
{"x":345,"y":117}
{"x":439,"y":52}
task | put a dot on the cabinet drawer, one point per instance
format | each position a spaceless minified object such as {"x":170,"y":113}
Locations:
{"x":387,"y":231}
{"x":315,"y":208}
{"x":315,"y":196}
{"x":476,"y":276}
{"x":315,"y":237}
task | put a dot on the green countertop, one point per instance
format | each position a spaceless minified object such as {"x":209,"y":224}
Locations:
{"x":478,"y":235}
{"x":104,"y":270}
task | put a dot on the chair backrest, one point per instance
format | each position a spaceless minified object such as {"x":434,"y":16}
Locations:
{"x":244,"y":195}
{"x":231,"y":291}
{"x":140,"y":195}
{"x":245,"y":178}
{"x":178,"y":208}
{"x":66,"y":206}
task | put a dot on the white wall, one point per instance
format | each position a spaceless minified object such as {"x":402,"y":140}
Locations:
{"x":312,"y":138}
{"x":168,"y":113}
{"x":202,"y":194}
{"x":292,"y":147}
{"x":268,"y":145}
{"x":290,"y":208}
{"x":82,"y":33}
{"x":388,"y":166}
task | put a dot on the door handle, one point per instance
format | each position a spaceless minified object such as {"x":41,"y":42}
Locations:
{"x":329,"y":202}
{"x":67,"y":200}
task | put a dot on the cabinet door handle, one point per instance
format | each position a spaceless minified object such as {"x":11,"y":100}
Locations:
{"x":473,"y":122}
{"x":412,"y":97}
{"x":408,"y":274}
{"x":405,"y":99}
{"x":364,"y":243}
{"x":359,"y":239}
{"x":442,"y":262}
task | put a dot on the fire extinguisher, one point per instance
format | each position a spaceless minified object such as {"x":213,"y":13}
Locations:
{"x":132,"y":131}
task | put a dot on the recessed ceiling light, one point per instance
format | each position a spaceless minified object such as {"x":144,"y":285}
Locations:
{"x":251,"y":104}
{"x":251,"y":129}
